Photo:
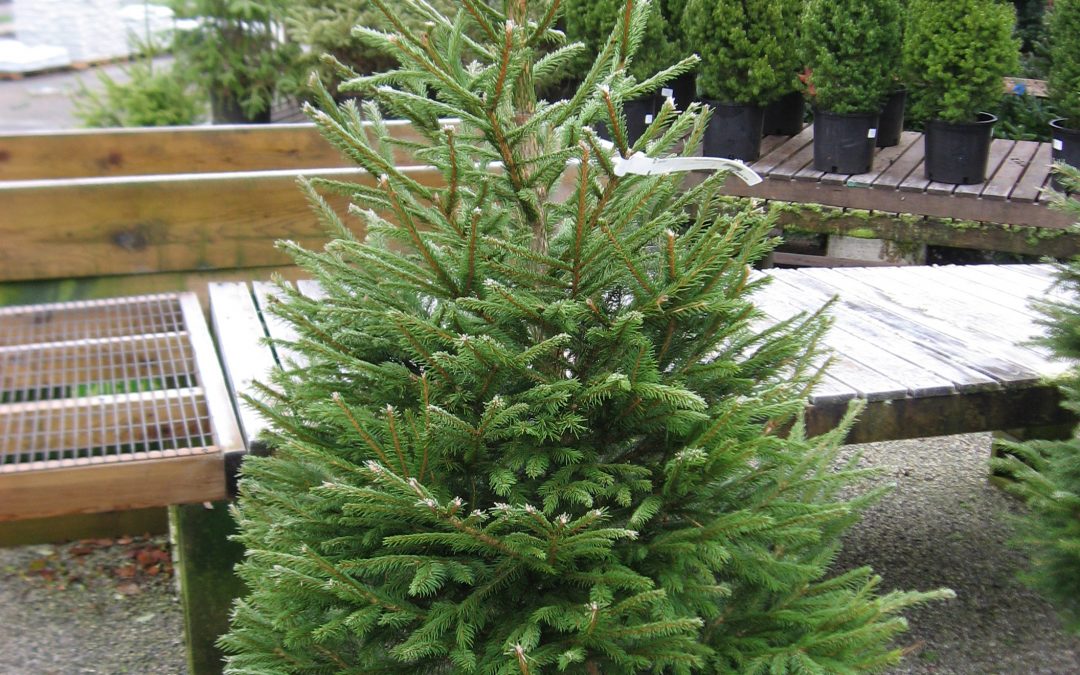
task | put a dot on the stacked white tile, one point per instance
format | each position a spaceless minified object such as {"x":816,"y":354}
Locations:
{"x":91,"y":30}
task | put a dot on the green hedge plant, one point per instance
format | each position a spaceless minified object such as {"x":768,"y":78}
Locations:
{"x":1047,"y":473}
{"x":955,"y":54}
{"x":748,"y":48}
{"x":153,"y":95}
{"x":1064,"y":79}
{"x":852,"y":48}
{"x":590,"y":22}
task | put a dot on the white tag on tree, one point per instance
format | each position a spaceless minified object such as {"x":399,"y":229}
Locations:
{"x":667,"y":92}
{"x":642,"y":165}
{"x":1058,"y":145}
{"x":648,"y":119}
{"x":872,"y":133}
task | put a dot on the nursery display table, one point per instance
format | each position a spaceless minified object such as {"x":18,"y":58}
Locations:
{"x":932,"y":350}
{"x":110,"y":404}
{"x":1011,"y":195}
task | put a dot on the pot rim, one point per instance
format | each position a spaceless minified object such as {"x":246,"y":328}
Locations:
{"x":984,"y":118}
{"x":1058,"y":123}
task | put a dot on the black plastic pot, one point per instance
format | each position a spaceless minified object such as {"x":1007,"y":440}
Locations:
{"x":734,"y":131}
{"x":639,"y":115}
{"x":844,"y":143}
{"x":225,"y":109}
{"x":956,"y":152}
{"x":1065,"y":147}
{"x":784,"y":116}
{"x":682,"y":89}
{"x":891,"y":120}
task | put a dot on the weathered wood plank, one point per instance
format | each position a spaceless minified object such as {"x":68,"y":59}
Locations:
{"x":884,"y":159}
{"x":94,"y":227}
{"x":909,"y":159}
{"x":1003,"y":182}
{"x":868,"y":329}
{"x":765,"y":164}
{"x":1007,"y":364}
{"x":1027,"y":188}
{"x":197,"y":149}
{"x":277,"y":328}
{"x":92,"y":488}
{"x":245,"y":356}
{"x":1000,"y":149}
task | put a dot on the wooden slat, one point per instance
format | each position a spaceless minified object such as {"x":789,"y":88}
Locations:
{"x":765,"y":164}
{"x":1027,"y":188}
{"x":1005,"y":363}
{"x":277,"y":328}
{"x":52,"y":364}
{"x":910,"y":159}
{"x":988,"y":325}
{"x":223,"y":422}
{"x":884,"y":158}
{"x":199,"y":149}
{"x":191,"y":478}
{"x":93,"y":227}
{"x":1003,"y":182}
{"x":895,"y":201}
{"x":794,"y":163}
{"x":869,"y":330}
{"x":1000,"y":149}
{"x":244,"y":353}
{"x":100,"y":421}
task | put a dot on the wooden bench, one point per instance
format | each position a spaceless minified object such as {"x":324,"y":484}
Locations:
{"x":932,"y":350}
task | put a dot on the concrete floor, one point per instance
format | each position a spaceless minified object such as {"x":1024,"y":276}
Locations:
{"x":44,"y":101}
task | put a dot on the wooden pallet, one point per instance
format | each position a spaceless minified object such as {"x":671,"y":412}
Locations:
{"x":110,"y":404}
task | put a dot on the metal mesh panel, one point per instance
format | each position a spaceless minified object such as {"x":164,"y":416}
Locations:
{"x":98,"y":381}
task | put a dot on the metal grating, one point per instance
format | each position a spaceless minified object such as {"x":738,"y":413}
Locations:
{"x":98,"y":381}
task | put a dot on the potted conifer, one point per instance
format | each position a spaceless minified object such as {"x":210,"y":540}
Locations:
{"x":955,"y":54}
{"x":590,"y":22}
{"x":1064,"y":79}
{"x":238,"y":54}
{"x":852,"y":48}
{"x":539,"y":433}
{"x":749,"y":58}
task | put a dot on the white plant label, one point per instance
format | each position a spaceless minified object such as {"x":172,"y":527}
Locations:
{"x":648,"y":119}
{"x":642,"y":165}
{"x":1058,"y":145}
{"x":667,"y":93}
{"x":872,"y":133}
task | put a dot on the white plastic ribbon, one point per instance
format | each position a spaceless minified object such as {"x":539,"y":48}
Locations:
{"x":642,"y":165}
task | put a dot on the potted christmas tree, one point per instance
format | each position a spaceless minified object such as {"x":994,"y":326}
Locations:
{"x":749,"y":58}
{"x":542,"y":433}
{"x":852,"y":49}
{"x":1064,"y":79}
{"x":238,"y":54}
{"x":955,"y":54}
{"x":590,"y":22}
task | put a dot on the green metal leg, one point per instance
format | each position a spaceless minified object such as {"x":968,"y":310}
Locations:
{"x":205,"y":558}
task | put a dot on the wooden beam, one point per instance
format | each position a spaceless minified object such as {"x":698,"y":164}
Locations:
{"x":1033,"y":241}
{"x":111,"y":487}
{"x":195,"y":149}
{"x":97,"y":227}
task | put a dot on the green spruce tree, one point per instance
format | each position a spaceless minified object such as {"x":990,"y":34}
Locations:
{"x":1047,"y":473}
{"x":540,"y":426}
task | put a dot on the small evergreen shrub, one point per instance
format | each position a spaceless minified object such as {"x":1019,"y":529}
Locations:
{"x":955,"y":54}
{"x":749,"y":48}
{"x":590,"y":22}
{"x":852,"y":48}
{"x":238,"y":53}
{"x":151,"y":96}
{"x":1064,"y":80}
{"x":540,"y":426}
{"x":1047,"y":473}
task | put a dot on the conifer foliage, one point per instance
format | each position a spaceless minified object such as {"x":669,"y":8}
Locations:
{"x":539,"y":426}
{"x":1048,"y":472}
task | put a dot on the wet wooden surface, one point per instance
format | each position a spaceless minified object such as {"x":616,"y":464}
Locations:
{"x":1012,"y":194}
{"x":932,"y":350}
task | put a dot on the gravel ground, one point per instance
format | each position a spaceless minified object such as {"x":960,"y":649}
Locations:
{"x":102,"y":607}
